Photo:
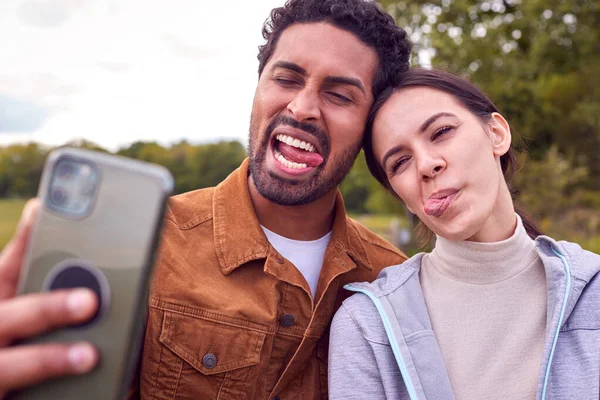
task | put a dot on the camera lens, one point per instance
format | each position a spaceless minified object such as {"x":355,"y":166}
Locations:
{"x":58,"y":196}
{"x":65,"y":169}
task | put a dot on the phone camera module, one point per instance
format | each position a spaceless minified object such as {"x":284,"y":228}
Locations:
{"x":72,"y":188}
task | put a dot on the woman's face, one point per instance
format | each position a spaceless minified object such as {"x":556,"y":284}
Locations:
{"x":444,"y":163}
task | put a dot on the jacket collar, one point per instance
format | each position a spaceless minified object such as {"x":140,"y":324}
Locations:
{"x":239,"y":237}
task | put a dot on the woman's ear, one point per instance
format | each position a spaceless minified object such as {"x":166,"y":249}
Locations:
{"x":500,"y":134}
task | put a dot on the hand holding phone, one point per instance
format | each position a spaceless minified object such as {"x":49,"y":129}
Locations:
{"x":30,"y":315}
{"x":98,"y":227}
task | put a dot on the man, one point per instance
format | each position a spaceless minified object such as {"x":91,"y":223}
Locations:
{"x":251,"y":272}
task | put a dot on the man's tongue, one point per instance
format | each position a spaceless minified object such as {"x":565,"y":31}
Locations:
{"x":299,"y":156}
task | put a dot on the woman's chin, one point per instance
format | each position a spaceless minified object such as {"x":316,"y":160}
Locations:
{"x":454,"y":231}
{"x":454,"y":236}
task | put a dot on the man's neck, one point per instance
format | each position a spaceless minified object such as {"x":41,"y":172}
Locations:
{"x":306,"y":222}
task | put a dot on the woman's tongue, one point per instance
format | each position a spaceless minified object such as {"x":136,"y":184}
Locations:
{"x":433,"y":206}
{"x":299,"y":156}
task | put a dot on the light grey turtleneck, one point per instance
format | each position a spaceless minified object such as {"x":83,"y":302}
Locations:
{"x":487,"y":303}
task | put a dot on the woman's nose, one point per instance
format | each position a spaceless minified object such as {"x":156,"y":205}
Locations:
{"x":431,"y":166}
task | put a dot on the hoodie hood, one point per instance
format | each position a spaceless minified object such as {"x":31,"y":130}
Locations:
{"x":582,"y":266}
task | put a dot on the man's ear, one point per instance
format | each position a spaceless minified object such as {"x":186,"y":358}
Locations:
{"x":500,"y":134}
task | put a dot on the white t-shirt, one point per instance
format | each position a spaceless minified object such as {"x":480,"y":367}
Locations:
{"x":307,"y":256}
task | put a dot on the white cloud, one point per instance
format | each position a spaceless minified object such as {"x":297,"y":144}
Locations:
{"x":117,"y":71}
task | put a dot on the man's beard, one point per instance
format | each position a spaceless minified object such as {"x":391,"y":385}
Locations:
{"x":291,"y":192}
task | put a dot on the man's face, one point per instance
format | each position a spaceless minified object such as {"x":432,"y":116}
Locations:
{"x":309,"y":112}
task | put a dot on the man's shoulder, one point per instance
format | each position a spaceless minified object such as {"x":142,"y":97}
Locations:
{"x":379,"y":250}
{"x":189,"y":209}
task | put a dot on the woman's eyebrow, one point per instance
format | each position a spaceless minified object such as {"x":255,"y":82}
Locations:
{"x":433,"y":118}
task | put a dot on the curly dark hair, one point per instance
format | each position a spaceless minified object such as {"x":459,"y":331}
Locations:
{"x":364,"y":19}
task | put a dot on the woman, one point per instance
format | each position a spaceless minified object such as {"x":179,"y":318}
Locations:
{"x":495,"y":311}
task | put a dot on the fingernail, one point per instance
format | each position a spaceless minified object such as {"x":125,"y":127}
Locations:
{"x":79,"y":302}
{"x":82,"y":357}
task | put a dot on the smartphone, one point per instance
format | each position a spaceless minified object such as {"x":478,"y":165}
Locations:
{"x":98,"y":227}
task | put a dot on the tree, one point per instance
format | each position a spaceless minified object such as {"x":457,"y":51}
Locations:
{"x":213,"y":162}
{"x":21,"y":167}
{"x":537,"y":59}
{"x":363,"y":194}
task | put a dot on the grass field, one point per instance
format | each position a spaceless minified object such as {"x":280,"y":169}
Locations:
{"x":10,"y":211}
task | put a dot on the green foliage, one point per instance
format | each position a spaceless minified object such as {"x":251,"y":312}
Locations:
{"x":382,"y":202}
{"x":193,"y":166}
{"x":538,"y":60}
{"x":357,"y":186}
{"x":545,"y":186}
{"x":20,"y":169}
{"x":213,"y":162}
{"x":551,"y":190}
{"x":363,"y":194}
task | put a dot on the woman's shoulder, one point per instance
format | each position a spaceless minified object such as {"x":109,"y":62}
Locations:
{"x":389,"y":279}
{"x":359,"y":312}
{"x":583,"y":269}
{"x":583,"y":264}
{"x":361,"y":307}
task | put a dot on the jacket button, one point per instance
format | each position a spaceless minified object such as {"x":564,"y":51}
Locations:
{"x":287,"y":320}
{"x":276,"y":398}
{"x":209,"y":360}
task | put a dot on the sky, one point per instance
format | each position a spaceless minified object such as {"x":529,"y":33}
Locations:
{"x":117,"y":71}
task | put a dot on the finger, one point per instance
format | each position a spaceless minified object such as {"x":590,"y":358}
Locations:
{"x":11,"y":258}
{"x":30,"y":315}
{"x":23,"y":366}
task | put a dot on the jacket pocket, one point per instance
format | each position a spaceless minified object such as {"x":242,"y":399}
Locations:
{"x":215,"y":360}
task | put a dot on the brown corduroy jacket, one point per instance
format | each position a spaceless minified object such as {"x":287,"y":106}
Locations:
{"x":229,"y":317}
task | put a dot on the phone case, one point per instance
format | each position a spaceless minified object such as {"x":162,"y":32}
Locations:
{"x":116,"y":242}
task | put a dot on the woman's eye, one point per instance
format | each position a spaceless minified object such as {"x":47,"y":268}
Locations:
{"x":441,"y":132}
{"x":396,"y":165}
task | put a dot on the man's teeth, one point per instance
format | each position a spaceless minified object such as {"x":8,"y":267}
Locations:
{"x":295,"y":143}
{"x":287,"y":163}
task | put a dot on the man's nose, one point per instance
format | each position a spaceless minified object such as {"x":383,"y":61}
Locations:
{"x":305,"y":105}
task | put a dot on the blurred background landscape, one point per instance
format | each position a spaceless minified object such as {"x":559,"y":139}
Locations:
{"x":539,"y":60}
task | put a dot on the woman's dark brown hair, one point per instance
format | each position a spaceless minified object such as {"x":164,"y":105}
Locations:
{"x":471,"y":98}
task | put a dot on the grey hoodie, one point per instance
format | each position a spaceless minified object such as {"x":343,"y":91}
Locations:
{"x":382,"y":345}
